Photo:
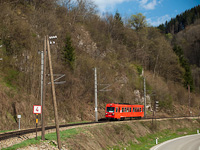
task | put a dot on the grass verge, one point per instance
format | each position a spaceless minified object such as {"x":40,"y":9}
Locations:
{"x":2,"y":131}
{"x":50,"y":137}
{"x":148,"y":141}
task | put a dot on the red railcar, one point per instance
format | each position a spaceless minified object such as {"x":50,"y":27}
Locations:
{"x":118,"y":111}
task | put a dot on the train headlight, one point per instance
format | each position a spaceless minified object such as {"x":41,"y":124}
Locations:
{"x":113,"y":114}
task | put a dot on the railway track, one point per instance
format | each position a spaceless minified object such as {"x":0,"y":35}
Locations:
{"x":11,"y":134}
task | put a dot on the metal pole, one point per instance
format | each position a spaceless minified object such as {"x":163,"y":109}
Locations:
{"x":44,"y":90}
{"x":95,"y":87}
{"x":54,"y":96}
{"x":36,"y":125}
{"x":19,"y":123}
{"x":42,"y":70}
{"x":144,"y":98}
{"x":155,"y":117}
{"x":189,"y":98}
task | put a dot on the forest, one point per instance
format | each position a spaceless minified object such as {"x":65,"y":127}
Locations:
{"x":121,"y":50}
{"x":181,"y":21}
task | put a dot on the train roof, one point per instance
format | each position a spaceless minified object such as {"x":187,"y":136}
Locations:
{"x":123,"y":104}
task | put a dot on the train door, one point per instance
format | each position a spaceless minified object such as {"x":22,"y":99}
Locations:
{"x":116,"y":110}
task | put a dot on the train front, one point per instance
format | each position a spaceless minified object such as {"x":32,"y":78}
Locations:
{"x":110,"y":111}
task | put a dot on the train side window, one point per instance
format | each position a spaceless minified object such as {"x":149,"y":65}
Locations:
{"x":125,"y":109}
{"x":133,"y":109}
{"x":122,"y":109}
{"x":130,"y":109}
{"x":116,"y":109}
{"x":140,"y":110}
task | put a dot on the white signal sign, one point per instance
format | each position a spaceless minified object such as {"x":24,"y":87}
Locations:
{"x":37,"y":109}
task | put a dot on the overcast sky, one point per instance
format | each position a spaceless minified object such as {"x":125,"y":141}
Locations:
{"x":156,"y":11}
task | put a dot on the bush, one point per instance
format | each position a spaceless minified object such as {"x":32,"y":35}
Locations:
{"x":11,"y":77}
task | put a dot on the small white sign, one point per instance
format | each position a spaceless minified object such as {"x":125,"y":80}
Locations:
{"x":18,"y":116}
{"x":53,"y":37}
{"x":37,"y":109}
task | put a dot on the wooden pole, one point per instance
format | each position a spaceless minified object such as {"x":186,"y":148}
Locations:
{"x":54,"y":96}
{"x":44,"y":90}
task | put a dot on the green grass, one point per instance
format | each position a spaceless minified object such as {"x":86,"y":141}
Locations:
{"x":148,"y":141}
{"x":3,"y":131}
{"x":51,"y":136}
{"x":24,"y":144}
{"x":63,"y":134}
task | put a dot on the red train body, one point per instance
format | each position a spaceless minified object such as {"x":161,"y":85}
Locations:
{"x":121,"y":111}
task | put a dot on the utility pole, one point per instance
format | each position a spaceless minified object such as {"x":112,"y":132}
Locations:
{"x":44,"y":88}
{"x":144,"y":98}
{"x":189,"y":98}
{"x":42,"y":74}
{"x":54,"y":96}
{"x":95,"y":93}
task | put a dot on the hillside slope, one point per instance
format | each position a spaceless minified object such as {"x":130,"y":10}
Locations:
{"x":119,"y":53}
{"x":189,"y":40}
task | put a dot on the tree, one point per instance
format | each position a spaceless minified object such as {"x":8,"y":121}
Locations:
{"x":138,"y":21}
{"x":69,"y":52}
{"x":179,"y":23}
{"x":162,"y":28}
{"x":188,"y":80}
{"x":118,"y":18}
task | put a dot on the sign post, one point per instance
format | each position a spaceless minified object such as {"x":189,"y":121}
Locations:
{"x":36,"y":125}
{"x":19,"y":116}
{"x":37,"y":109}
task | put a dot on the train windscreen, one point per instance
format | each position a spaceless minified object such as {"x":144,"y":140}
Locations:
{"x":110,"y":109}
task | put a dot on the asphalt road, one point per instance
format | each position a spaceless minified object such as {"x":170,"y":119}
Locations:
{"x":190,"y":142}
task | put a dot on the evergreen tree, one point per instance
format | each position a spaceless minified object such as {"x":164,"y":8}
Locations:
{"x":118,"y":18}
{"x":181,"y":21}
{"x":162,"y":28}
{"x":184,"y":63}
{"x":69,"y":52}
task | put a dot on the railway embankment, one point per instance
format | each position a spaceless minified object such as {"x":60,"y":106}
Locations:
{"x":132,"y":135}
{"x":135,"y":134}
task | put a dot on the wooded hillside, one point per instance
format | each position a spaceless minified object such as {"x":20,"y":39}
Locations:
{"x":85,"y":40}
{"x":181,"y":21}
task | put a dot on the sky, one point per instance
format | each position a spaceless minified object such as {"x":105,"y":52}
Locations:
{"x":156,"y":11}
